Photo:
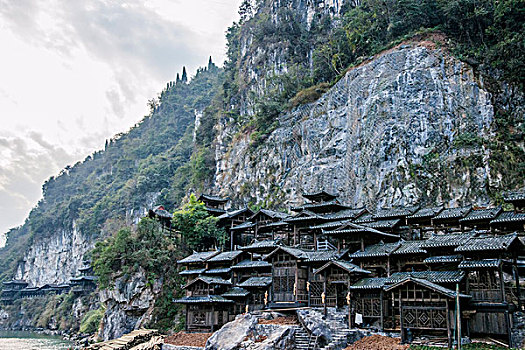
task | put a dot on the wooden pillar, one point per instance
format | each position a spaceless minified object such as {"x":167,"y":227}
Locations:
{"x":187,"y":317}
{"x":382,"y":311}
{"x":295,"y":234}
{"x":517,"y":279}
{"x":388,"y":266}
{"x":296,"y":285}
{"x":403,"y":338}
{"x":449,"y":330}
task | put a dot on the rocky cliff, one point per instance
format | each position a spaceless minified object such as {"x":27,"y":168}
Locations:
{"x":401,"y":128}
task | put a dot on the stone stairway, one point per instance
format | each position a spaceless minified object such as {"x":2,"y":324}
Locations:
{"x":336,"y":323}
{"x":303,"y":341}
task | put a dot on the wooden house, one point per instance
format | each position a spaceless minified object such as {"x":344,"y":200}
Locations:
{"x":479,"y":219}
{"x":408,"y":256}
{"x":221,"y":264}
{"x":234,"y":218}
{"x":493,"y":299}
{"x":11,"y":290}
{"x":375,"y":258}
{"x":367,"y":299}
{"x":251,"y":268}
{"x":161,"y":214}
{"x":420,"y":222}
{"x":358,"y":236}
{"x":329,"y":283}
{"x":264,"y":217}
{"x":448,"y":219}
{"x":195,"y":264}
{"x":291,"y":269}
{"x":215,"y":205}
{"x":508,"y":222}
{"x":517,"y":199}
{"x":259,"y":288}
{"x":206,"y":308}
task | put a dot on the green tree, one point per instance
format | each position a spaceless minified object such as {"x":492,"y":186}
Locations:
{"x":197,"y":229}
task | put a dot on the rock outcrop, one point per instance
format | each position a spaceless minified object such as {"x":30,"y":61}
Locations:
{"x":128,"y":305}
{"x":404,"y":127}
{"x":246,"y":333}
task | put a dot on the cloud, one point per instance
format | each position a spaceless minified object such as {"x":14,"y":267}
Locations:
{"x":26,"y":162}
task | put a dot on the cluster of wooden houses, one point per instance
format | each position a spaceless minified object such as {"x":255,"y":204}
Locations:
{"x":82,"y":284}
{"x":394,"y":269}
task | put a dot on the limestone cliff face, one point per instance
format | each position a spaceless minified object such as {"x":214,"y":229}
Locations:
{"x":56,"y":258}
{"x":128,"y":305}
{"x":405,"y":127}
{"x":280,"y":36}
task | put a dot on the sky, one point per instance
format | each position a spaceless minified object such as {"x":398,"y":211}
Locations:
{"x":73,"y":73}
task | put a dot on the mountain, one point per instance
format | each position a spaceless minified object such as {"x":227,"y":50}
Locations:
{"x":384,"y":102}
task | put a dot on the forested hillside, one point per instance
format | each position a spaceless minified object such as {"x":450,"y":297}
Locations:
{"x":155,"y":162}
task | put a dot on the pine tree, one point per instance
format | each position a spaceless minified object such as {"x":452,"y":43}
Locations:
{"x":178,"y":79}
{"x":210,"y":64}
{"x":184,"y":75}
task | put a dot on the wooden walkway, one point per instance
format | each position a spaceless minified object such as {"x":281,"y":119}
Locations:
{"x":127,"y":341}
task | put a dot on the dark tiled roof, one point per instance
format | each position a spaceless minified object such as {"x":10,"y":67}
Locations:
{"x":248,"y":264}
{"x":209,"y":280}
{"x":218,"y":271}
{"x":244,"y":225}
{"x":15,"y":282}
{"x":481,"y":214}
{"x":351,"y":227}
{"x":386,"y":213}
{"x":409,"y":247}
{"x":345,"y":214}
{"x":513,"y":196}
{"x":447,"y":240}
{"x":443,"y":259}
{"x":275,"y":224}
{"x":215,"y":210}
{"x":295,"y":252}
{"x":425,"y":213}
{"x":192,"y":272}
{"x":236,"y":292}
{"x":304,"y":215}
{"x":370,"y":283}
{"x":160,"y":211}
{"x":202,"y":299}
{"x":385,"y":224}
{"x":366,"y":217}
{"x":331,"y":224}
{"x":198,"y":257}
{"x":84,"y":278}
{"x":212,"y":198}
{"x":273,"y":214}
{"x":376,"y":250}
{"x":453,"y":213}
{"x":315,"y":206}
{"x":320,"y":255}
{"x":480,"y":264}
{"x":256,"y":282}
{"x":262,"y":244}
{"x":428,"y":284}
{"x":432,"y":276}
{"x":226,"y":256}
{"x":345,"y":265}
{"x":485,"y":243}
{"x":508,"y":216}
{"x":233,"y":213}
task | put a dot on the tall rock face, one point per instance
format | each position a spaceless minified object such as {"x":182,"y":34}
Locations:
{"x":278,"y":37}
{"x":406,"y":127}
{"x":56,"y":258}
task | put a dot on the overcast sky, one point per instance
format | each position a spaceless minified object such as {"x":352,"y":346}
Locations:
{"x":75,"y":72}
